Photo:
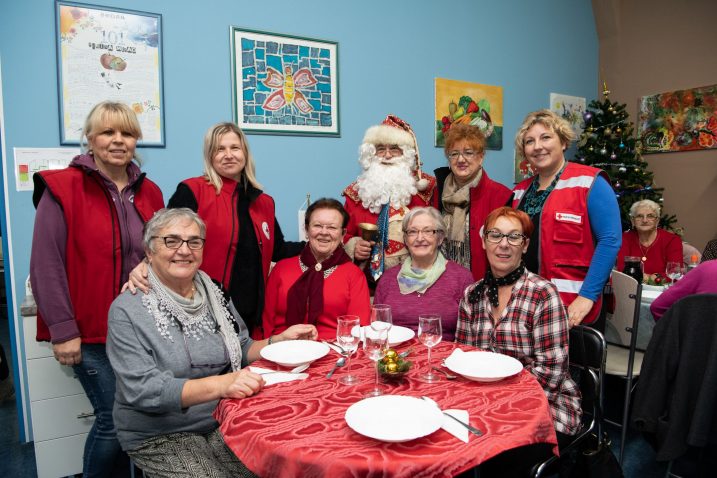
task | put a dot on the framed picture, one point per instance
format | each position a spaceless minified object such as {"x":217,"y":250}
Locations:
{"x":284,"y":84}
{"x":469,"y":103}
{"x":571,"y":108}
{"x":521,"y":168}
{"x":109,"y":54}
{"x":683,"y":120}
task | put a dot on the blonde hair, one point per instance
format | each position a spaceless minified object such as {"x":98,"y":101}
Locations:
{"x":211,"y":145}
{"x":551,"y":121}
{"x":115,"y":114}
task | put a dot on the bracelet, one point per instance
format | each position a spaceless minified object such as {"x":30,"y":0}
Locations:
{"x":270,"y":339}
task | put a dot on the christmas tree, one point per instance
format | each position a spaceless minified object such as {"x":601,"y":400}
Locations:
{"x":607,"y":143}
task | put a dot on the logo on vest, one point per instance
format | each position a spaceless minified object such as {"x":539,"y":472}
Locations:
{"x":568,"y":217}
{"x":265,"y":228}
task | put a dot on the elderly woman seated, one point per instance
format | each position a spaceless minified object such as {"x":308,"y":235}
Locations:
{"x":518,"y":313}
{"x":654,"y":246}
{"x":322,"y":283}
{"x":176,"y":351}
{"x":426,"y":283}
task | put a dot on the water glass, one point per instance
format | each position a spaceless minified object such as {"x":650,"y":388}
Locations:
{"x":375,"y":346}
{"x":430,"y":334}
{"x":674,"y":271}
{"x":348,"y":334}
{"x":381,"y":313}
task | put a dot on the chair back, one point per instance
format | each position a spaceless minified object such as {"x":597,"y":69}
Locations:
{"x":587,"y":363}
{"x":621,"y":325}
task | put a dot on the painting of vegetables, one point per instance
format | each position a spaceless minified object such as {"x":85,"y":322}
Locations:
{"x":683,"y":120}
{"x":469,"y":103}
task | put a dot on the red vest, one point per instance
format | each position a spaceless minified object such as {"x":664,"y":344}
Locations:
{"x":94,"y":251}
{"x":220,"y":215}
{"x":485,"y":197}
{"x":566,"y":240}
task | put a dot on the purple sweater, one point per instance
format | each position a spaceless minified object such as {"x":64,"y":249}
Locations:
{"x":700,"y":280}
{"x":442,"y":298}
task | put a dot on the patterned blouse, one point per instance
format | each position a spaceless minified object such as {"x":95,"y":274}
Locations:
{"x":534,"y":330}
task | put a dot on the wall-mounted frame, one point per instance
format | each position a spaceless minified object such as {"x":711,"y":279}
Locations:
{"x":284,"y":84}
{"x":109,"y":54}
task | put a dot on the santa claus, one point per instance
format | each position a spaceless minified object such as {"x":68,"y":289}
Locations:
{"x":391,"y":184}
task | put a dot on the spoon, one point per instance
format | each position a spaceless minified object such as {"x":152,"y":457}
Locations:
{"x":297,"y":369}
{"x":339,"y":363}
{"x":449,"y":376}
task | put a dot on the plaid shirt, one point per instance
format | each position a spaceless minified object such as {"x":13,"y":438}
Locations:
{"x":534,"y":330}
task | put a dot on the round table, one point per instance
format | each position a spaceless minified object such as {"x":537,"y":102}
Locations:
{"x":298,"y":429}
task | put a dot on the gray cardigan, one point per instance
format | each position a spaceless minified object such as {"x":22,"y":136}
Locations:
{"x":151,"y":371}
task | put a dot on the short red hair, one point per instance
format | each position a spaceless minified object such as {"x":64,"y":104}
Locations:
{"x":505,"y":211}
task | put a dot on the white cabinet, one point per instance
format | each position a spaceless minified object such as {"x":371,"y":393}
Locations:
{"x":61,"y":413}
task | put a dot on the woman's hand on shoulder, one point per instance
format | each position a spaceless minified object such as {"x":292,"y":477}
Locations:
{"x":245,"y":383}
{"x":138,"y":279}
{"x":300,"y":332}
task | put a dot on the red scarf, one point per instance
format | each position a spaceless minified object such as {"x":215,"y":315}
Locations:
{"x":309,"y":288}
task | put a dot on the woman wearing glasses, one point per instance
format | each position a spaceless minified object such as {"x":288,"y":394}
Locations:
{"x":466,"y":196}
{"x":176,"y":351}
{"x":575,"y":214}
{"x":518,"y":313}
{"x":243,"y":235}
{"x":87,"y":237}
{"x":653,"y":245}
{"x":426,"y":283}
{"x":322,"y":283}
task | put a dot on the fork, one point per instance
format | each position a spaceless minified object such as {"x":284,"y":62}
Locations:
{"x":470,"y":428}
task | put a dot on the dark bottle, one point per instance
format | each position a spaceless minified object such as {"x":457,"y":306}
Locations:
{"x":633,"y":268}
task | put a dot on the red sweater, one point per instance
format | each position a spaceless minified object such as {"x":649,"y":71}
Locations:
{"x":345,"y":293}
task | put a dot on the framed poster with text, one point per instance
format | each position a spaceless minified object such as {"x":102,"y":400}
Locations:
{"x":109,"y":54}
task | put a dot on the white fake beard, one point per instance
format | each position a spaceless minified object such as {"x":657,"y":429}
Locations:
{"x":382,"y":183}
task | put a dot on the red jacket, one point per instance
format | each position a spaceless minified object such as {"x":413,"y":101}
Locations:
{"x":486,"y":196}
{"x":220,"y":215}
{"x":566,"y":240}
{"x":94,"y":247}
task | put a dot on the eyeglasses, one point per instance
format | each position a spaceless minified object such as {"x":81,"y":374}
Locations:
{"x":645,"y":217}
{"x":392,"y":150}
{"x":426,"y":232}
{"x":175,"y":242}
{"x":468,"y":154}
{"x":330,"y":228}
{"x":514,"y":238}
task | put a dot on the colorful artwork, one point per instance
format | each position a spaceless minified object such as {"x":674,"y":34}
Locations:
{"x":285,"y":85}
{"x":521,"y":168}
{"x":571,"y":108}
{"x":683,"y":120}
{"x":469,"y":103}
{"x":109,"y":54}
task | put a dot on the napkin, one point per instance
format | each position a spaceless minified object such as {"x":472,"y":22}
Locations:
{"x":455,"y":428}
{"x":278,"y":377}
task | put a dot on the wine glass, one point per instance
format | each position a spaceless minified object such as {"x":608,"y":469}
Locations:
{"x":347,"y":326}
{"x":674,"y":271}
{"x":381,"y":313}
{"x":375,"y":346}
{"x":430,"y":334}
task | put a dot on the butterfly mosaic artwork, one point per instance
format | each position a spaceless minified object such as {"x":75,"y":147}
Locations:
{"x":285,"y":85}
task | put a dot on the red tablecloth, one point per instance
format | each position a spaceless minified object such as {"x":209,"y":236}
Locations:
{"x":297,"y":428}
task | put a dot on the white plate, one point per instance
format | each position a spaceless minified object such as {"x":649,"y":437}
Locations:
{"x":483,"y":366}
{"x":394,"y":418}
{"x":294,"y":352}
{"x":396,"y":335}
{"x":656,"y":288}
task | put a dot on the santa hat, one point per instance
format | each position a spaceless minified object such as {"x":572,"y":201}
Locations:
{"x":393,"y":130}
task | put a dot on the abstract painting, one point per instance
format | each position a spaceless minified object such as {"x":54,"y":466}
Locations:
{"x":462,"y":102}
{"x":683,"y":120}
{"x":284,"y":84}
{"x":571,"y":108}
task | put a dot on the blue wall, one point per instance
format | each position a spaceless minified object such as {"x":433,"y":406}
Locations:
{"x":389,"y":54}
